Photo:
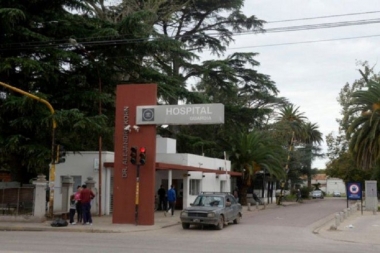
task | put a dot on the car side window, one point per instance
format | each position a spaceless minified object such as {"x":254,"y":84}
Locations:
{"x":232,"y":199}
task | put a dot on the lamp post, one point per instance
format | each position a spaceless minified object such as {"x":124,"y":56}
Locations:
{"x":100,"y":144}
{"x":54,"y":126}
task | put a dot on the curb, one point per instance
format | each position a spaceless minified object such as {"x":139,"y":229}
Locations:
{"x":61,"y":229}
{"x":84,"y":230}
{"x":317,"y":226}
{"x":171,"y":225}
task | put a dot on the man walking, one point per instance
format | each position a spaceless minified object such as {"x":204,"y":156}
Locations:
{"x":171,"y":199}
{"x":161,"y":198}
{"x":86,"y":195}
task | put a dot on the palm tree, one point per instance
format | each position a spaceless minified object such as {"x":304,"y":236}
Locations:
{"x":364,"y":131}
{"x":256,"y":150}
{"x":291,"y":120}
{"x":312,"y":136}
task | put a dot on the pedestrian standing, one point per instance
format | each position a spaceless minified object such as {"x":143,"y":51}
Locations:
{"x":78,"y":205}
{"x":72,"y":209}
{"x":86,"y":195}
{"x":171,"y":199}
{"x":161,"y":198}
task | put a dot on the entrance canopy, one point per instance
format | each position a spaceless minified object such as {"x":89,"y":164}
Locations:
{"x":167,"y":166}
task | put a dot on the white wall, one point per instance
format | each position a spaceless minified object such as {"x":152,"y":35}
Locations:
{"x":335,"y":184}
{"x":166,"y":145}
{"x":84,"y":164}
{"x":194,"y":161}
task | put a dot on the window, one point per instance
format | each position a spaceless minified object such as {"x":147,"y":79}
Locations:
{"x":77,"y":180}
{"x":222,"y":186}
{"x":195,"y":186}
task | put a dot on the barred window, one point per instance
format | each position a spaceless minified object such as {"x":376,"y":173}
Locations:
{"x":195,"y":186}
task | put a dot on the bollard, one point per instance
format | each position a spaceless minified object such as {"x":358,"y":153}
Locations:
{"x":337,"y":220}
{"x":345,"y":213}
{"x":257,"y":205}
{"x":249,"y":206}
{"x":348,"y":212}
{"x":341,"y":214}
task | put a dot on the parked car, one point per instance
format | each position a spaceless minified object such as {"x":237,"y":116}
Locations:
{"x":216,"y":209}
{"x":336,"y":194}
{"x":317,"y":194}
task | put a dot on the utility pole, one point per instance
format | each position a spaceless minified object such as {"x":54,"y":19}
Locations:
{"x":100,"y":143}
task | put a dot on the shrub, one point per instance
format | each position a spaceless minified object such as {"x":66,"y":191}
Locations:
{"x":305,"y":192}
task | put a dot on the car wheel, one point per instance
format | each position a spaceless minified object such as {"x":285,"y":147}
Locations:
{"x":221,"y":223}
{"x":238,"y":219}
{"x":185,"y":225}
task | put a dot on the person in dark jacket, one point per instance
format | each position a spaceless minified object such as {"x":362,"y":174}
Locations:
{"x":161,"y":198}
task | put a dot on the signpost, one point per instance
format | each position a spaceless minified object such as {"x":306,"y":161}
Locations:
{"x":354,"y":192}
{"x":180,"y":114}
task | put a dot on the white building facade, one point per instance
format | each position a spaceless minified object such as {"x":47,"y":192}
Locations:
{"x":190,"y":174}
{"x":335,"y":184}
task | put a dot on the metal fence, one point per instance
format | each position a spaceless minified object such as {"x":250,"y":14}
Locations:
{"x":17,"y":201}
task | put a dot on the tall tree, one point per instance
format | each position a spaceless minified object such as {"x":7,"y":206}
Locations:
{"x":364,"y":131}
{"x":310,"y":141}
{"x":36,"y":57}
{"x":341,"y":162}
{"x":290,"y":123}
{"x":255,"y":150}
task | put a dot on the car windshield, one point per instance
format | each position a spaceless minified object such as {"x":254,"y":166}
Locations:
{"x":209,"y":201}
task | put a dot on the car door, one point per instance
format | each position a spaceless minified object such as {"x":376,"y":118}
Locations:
{"x":230,"y":209}
{"x":236,"y":208}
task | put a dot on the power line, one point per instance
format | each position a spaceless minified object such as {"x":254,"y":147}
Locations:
{"x":323,"y":25}
{"x":288,"y":43}
{"x":49,"y":44}
{"x":303,"y":42}
{"x":321,"y":17}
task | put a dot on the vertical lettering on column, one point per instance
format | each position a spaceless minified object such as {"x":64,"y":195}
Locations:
{"x":124,"y":170}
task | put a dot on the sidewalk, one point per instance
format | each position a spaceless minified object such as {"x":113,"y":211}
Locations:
{"x":358,"y":228}
{"x":104,"y":224}
{"x":101,"y":224}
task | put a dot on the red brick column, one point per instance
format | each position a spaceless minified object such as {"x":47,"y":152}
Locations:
{"x":124,"y":192}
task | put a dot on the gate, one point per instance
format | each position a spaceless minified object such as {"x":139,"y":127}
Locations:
{"x":17,"y":201}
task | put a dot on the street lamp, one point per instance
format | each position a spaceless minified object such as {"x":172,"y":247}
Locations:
{"x":76,"y":44}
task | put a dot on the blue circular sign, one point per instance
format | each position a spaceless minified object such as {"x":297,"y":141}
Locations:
{"x":354,"y":188}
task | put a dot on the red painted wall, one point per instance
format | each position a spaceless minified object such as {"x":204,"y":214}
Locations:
{"x":124,"y":192}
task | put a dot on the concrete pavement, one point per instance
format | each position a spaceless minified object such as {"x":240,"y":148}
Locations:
{"x":359,"y":228}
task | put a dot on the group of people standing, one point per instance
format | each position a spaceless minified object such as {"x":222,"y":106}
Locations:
{"x":80,"y":203}
{"x":164,"y":198}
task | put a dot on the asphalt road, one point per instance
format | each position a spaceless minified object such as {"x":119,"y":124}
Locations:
{"x":284,"y":229}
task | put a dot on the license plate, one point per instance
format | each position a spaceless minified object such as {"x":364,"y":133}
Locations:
{"x":196,"y":220}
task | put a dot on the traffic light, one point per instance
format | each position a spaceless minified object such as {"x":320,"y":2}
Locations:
{"x":60,"y":154}
{"x":142,"y":155}
{"x":133,"y":155}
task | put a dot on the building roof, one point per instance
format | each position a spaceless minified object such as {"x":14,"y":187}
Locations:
{"x":320,"y":177}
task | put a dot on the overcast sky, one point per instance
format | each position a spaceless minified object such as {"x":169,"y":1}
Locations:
{"x":311,"y":75}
